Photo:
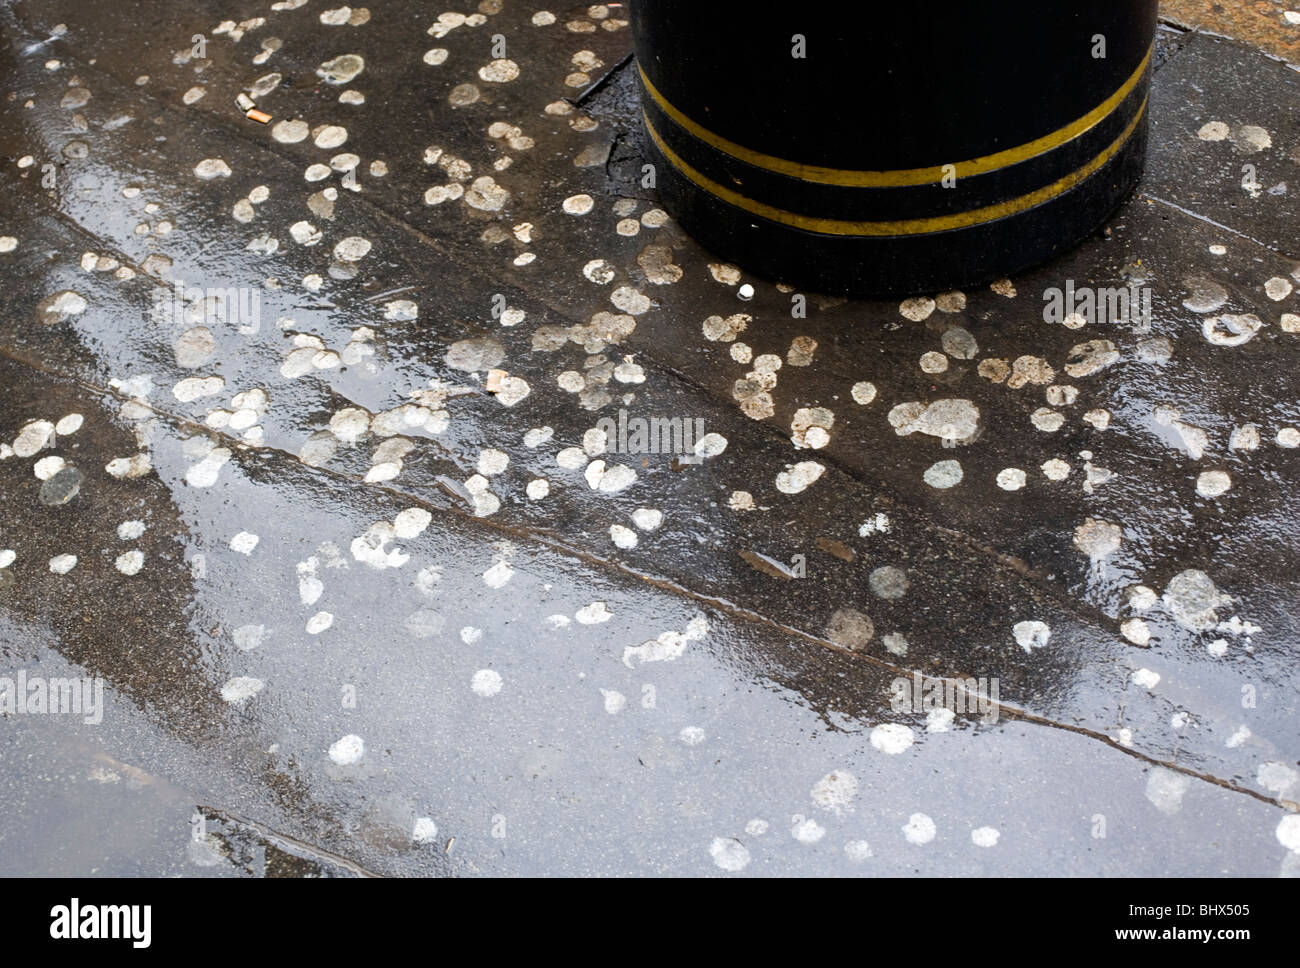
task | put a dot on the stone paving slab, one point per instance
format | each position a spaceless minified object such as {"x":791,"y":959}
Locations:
{"x":567,"y":659}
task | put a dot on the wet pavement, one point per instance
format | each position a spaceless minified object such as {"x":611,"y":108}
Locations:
{"x":337,"y":416}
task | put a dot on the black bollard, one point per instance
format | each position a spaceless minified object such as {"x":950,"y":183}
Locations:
{"x":867,"y":149}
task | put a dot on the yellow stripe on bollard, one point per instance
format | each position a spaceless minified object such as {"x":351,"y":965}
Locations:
{"x":919,"y":226}
{"x":904,"y":176}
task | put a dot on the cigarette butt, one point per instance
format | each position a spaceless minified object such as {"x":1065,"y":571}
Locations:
{"x":494,"y":379}
{"x":245,"y":102}
{"x":261,"y":117}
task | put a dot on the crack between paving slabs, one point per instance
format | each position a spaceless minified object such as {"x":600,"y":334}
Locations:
{"x":1218,"y":225}
{"x":293,"y":845}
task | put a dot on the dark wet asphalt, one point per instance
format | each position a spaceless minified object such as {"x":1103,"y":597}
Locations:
{"x":711,"y":714}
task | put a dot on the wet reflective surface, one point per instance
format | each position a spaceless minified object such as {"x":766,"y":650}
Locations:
{"x":343,"y":420}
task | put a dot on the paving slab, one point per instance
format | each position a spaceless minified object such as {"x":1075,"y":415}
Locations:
{"x":378,"y":581}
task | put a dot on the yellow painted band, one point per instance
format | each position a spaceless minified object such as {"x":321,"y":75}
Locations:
{"x":903,"y":176}
{"x":919,"y":226}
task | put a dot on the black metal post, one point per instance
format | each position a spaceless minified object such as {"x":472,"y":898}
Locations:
{"x":866,"y":148}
